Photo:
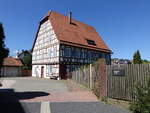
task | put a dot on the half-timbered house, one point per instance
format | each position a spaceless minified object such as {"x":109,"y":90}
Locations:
{"x":63,"y":44}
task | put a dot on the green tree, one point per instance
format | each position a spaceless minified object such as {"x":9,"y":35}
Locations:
{"x":3,"y":50}
{"x":142,"y":102}
{"x":137,"y":58}
{"x":145,"y":61}
{"x":27,"y":61}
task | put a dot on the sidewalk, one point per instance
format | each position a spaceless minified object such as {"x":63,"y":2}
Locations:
{"x":39,"y":90}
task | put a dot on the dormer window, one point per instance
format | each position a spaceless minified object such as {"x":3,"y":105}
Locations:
{"x":91,"y":42}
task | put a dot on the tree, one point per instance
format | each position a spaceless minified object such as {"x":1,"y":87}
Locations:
{"x":142,"y":102}
{"x":137,"y":58}
{"x":3,"y":50}
{"x":27,"y":61}
{"x":145,"y":61}
{"x":26,"y":57}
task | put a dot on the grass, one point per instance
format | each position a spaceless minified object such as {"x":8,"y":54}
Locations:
{"x":120,"y":103}
{"x":73,"y":86}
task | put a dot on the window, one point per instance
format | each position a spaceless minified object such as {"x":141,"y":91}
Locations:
{"x":49,"y":52}
{"x":69,"y":51}
{"x":50,"y":69}
{"x":91,"y":42}
{"x":61,"y":52}
{"x":55,"y":52}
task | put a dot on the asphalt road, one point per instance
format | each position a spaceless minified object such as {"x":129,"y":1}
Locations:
{"x":25,"y":84}
{"x":84,"y":107}
{"x":59,"y":107}
{"x":16,"y":89}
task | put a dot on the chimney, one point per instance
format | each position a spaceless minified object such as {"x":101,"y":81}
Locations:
{"x":70,"y":17}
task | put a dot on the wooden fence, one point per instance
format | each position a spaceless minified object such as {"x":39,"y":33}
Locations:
{"x":91,"y":77}
{"x":120,"y":79}
{"x":26,"y":72}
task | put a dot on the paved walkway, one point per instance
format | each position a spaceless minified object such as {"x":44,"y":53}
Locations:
{"x":31,"y":89}
{"x":35,"y":95}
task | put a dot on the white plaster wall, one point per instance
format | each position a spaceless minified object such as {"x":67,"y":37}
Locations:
{"x":46,"y":48}
{"x":33,"y":70}
{"x":54,"y":72}
{"x":36,"y":71}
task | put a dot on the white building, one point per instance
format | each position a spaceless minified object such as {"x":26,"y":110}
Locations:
{"x":63,"y":44}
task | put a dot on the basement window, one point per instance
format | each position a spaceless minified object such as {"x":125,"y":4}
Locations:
{"x":91,"y":42}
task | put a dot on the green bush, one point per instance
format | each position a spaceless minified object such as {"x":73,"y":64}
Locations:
{"x":142,"y":102}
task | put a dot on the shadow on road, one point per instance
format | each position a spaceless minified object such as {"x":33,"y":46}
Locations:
{"x":9,"y":100}
{"x":9,"y":95}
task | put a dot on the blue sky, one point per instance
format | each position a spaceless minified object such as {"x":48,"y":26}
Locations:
{"x":123,"y":24}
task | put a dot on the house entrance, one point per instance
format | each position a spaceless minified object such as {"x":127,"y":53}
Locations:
{"x":63,"y":73}
{"x":42,"y":72}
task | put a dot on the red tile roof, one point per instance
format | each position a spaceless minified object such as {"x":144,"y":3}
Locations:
{"x":75,"y":34}
{"x":10,"y":61}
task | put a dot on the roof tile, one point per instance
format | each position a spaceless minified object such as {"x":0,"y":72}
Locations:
{"x":10,"y":61}
{"x":77,"y":32}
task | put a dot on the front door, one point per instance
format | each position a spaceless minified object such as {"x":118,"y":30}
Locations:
{"x":42,"y":72}
{"x":63,"y":73}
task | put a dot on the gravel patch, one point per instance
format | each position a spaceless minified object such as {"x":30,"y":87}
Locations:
{"x":7,"y":83}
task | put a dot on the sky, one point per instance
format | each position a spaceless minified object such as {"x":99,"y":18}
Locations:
{"x":124,"y":25}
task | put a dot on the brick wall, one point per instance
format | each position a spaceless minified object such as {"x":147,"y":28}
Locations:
{"x":26,"y":72}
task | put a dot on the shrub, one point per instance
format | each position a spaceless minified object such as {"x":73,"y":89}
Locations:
{"x":142,"y":102}
{"x":105,"y":100}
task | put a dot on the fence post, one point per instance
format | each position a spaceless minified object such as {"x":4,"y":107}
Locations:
{"x":90,"y":76}
{"x":102,"y":77}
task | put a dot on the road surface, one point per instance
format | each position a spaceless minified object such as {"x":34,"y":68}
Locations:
{"x":34,"y":95}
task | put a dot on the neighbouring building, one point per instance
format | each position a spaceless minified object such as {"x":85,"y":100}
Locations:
{"x":23,"y":54}
{"x":63,"y":44}
{"x":12,"y":67}
{"x":26,"y":58}
{"x":120,"y":61}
